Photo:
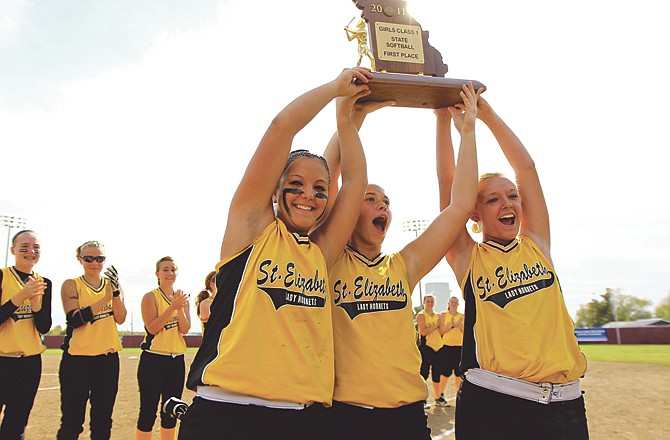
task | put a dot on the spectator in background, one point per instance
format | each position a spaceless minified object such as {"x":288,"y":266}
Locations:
{"x":431,"y":343}
{"x":89,"y":368}
{"x":451,"y":327}
{"x":203,"y":301}
{"x":161,"y":371}
{"x":25,"y":313}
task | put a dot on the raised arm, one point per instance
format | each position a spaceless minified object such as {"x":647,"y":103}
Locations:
{"x":332,"y":153}
{"x":42,"y":314}
{"x":334,"y":233}
{"x":535,"y":220}
{"x":33,"y":290}
{"x":184,"y":314}
{"x":444,"y":155}
{"x":251,"y":207}
{"x":119,"y":307}
{"x":458,"y":254}
{"x":422,"y":254}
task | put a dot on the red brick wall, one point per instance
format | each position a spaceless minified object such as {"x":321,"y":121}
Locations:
{"x":637,"y":335}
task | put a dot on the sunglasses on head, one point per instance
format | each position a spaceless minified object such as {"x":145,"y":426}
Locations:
{"x":90,"y":259}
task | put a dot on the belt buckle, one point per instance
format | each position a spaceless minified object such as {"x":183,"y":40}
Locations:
{"x":546,"y":392}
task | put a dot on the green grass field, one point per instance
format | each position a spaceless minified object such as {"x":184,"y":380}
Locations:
{"x":639,"y":354}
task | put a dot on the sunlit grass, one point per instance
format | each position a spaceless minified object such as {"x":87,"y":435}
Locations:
{"x":639,"y":354}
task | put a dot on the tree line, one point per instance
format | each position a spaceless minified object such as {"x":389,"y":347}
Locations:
{"x":626,"y":307}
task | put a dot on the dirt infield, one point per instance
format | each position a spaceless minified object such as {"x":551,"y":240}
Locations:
{"x":623,"y":401}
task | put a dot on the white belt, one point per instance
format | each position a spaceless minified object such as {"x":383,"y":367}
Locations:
{"x":174,"y":355}
{"x":543,"y":392}
{"x":218,"y":394}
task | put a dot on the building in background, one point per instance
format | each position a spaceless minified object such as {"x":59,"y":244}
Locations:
{"x":441,"y":293}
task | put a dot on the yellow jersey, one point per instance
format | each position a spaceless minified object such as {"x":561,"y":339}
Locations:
{"x":433,"y":339}
{"x":269,"y":334}
{"x":454,"y":336}
{"x":168,"y":340}
{"x":377,"y":361}
{"x":100,"y":335}
{"x":18,"y":334}
{"x":516,"y":322}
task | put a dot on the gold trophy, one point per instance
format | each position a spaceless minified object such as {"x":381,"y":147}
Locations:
{"x":408,"y":70}
{"x":361,"y":36}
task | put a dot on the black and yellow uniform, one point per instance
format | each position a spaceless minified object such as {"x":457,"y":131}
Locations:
{"x":89,"y":369}
{"x":169,"y":340}
{"x":268,"y":340}
{"x":100,"y":335}
{"x":454,"y":336}
{"x":519,"y":341}
{"x":516,"y":322}
{"x":20,"y":334}
{"x":452,"y":340}
{"x":377,"y":361}
{"x":429,"y":348}
{"x":20,"y":351}
{"x":161,"y":370}
{"x":433,"y":339}
{"x":270,"y":317}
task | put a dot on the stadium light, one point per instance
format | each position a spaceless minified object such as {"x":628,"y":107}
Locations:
{"x":10,"y":222}
{"x":416,"y":226}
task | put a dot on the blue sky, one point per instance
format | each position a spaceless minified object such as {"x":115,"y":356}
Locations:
{"x":130,"y":122}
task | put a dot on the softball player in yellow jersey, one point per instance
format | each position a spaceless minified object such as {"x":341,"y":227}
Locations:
{"x":25,"y":313}
{"x":379,"y":392}
{"x":161,"y":371}
{"x":89,"y":368}
{"x":452,"y":325}
{"x":520,"y":357}
{"x":428,"y":322}
{"x":203,"y":301}
{"x":265,"y":366}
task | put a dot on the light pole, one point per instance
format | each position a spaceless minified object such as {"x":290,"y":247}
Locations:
{"x":416,"y":226}
{"x":10,"y":222}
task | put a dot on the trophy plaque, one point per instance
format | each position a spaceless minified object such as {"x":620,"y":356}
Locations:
{"x":408,"y":70}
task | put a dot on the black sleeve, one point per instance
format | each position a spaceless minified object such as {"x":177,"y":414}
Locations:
{"x":78,"y":317}
{"x":43,"y":317}
{"x":8,"y":308}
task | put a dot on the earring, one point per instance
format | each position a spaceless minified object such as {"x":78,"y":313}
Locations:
{"x":476,"y":228}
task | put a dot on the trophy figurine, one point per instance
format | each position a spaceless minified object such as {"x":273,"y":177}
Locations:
{"x":408,"y":70}
{"x":361,"y":35}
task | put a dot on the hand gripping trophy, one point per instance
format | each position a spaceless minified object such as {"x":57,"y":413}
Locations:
{"x":408,"y":69}
{"x":361,"y":35}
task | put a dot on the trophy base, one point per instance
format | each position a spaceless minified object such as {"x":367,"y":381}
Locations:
{"x":416,"y":90}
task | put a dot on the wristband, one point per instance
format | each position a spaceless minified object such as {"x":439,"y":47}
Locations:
{"x":116,"y":293}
